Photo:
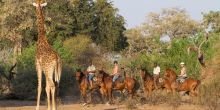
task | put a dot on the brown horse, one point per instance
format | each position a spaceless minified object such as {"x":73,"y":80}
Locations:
{"x":83,"y":83}
{"x":130,"y":84}
{"x":105,"y":81}
{"x":148,"y":81}
{"x":189,"y":85}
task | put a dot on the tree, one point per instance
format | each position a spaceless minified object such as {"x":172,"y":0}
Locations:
{"x":174,"y":21}
{"x":212,"y":19}
{"x":109,"y":26}
{"x":81,"y":49}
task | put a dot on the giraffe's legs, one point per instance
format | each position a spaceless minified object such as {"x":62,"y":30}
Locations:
{"x":52,"y":88}
{"x":48,"y":94}
{"x":39,"y":76}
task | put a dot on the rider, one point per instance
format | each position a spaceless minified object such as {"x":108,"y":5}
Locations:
{"x":115,"y":72}
{"x":91,"y":73}
{"x":156,"y":73}
{"x":183,"y":74}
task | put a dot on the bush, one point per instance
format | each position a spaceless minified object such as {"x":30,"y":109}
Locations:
{"x":25,"y":83}
{"x":81,"y":48}
{"x":171,"y":56}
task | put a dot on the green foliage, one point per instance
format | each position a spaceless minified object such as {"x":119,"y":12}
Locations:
{"x":109,"y":26}
{"x":172,"y":55}
{"x":212,"y":19}
{"x":81,"y":48}
{"x":64,"y":53}
{"x":26,"y":61}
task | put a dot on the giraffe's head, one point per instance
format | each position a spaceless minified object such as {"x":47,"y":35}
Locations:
{"x":40,"y":3}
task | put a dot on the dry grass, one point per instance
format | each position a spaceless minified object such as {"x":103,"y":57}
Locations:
{"x":131,"y":104}
{"x":209,"y":92}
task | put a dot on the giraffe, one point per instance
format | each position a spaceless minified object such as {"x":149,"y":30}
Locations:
{"x":47,"y":61}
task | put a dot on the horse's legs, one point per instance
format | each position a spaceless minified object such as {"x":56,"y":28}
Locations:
{"x":192,"y":92}
{"x":150,"y":91}
{"x":103,"y":93}
{"x":110,"y":95}
{"x":146,"y":92}
{"x":122,"y":95}
{"x":84,"y":95}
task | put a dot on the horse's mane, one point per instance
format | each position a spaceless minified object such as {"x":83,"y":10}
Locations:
{"x":103,"y":73}
{"x":147,"y":74}
{"x":81,"y":74}
{"x":169,"y":70}
{"x":171,"y":73}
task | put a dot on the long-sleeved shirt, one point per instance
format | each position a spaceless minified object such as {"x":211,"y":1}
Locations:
{"x":183,"y":72}
{"x":156,"y":70}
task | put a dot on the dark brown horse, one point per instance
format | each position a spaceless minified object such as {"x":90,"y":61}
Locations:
{"x":130,"y":84}
{"x":83,"y":84}
{"x":189,"y":85}
{"x":105,"y":81}
{"x":148,"y":81}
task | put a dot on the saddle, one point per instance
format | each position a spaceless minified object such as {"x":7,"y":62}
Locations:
{"x":181,"y":80}
{"x":120,"y":79}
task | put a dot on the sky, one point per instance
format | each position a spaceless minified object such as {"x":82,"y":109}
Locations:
{"x":135,"y":11}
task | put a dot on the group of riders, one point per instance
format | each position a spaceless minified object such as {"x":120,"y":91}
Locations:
{"x":91,"y":70}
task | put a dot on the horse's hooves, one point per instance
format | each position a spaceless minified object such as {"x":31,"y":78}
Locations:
{"x":84,"y":104}
{"x":108,"y":104}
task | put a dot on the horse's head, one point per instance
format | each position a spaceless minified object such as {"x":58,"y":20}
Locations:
{"x":145,"y":74}
{"x":166,"y":73}
{"x":142,"y":73}
{"x":78,"y":74}
{"x":99,"y":77}
{"x":170,"y":74}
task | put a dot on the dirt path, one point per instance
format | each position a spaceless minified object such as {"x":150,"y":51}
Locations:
{"x":30,"y":105}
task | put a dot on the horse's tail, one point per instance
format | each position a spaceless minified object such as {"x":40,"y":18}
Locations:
{"x":197,"y":84}
{"x":58,"y":70}
{"x":137,"y":85}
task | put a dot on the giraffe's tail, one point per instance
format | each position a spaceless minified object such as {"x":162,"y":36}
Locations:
{"x":58,"y":70}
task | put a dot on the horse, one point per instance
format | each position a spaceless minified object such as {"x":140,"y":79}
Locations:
{"x":105,"y":81}
{"x":189,"y":85}
{"x":83,"y":83}
{"x":148,"y":81}
{"x":170,"y":75}
{"x":129,"y":83}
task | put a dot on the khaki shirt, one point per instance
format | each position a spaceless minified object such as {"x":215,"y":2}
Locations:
{"x":183,"y":72}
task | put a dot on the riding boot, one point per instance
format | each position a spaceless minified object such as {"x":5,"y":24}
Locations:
{"x":155,"y":83}
{"x":91,"y":85}
{"x":113,"y":85}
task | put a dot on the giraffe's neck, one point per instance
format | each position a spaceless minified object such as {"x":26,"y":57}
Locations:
{"x":41,"y":29}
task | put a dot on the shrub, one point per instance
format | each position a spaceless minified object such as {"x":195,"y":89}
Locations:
{"x":81,"y":48}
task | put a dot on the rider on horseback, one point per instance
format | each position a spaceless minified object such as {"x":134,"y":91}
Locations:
{"x":91,"y":73}
{"x":115,"y":72}
{"x":183,"y":74}
{"x":156,"y":73}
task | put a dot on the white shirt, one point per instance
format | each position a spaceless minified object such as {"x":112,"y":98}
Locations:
{"x":91,"y":68}
{"x":156,"y":70}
